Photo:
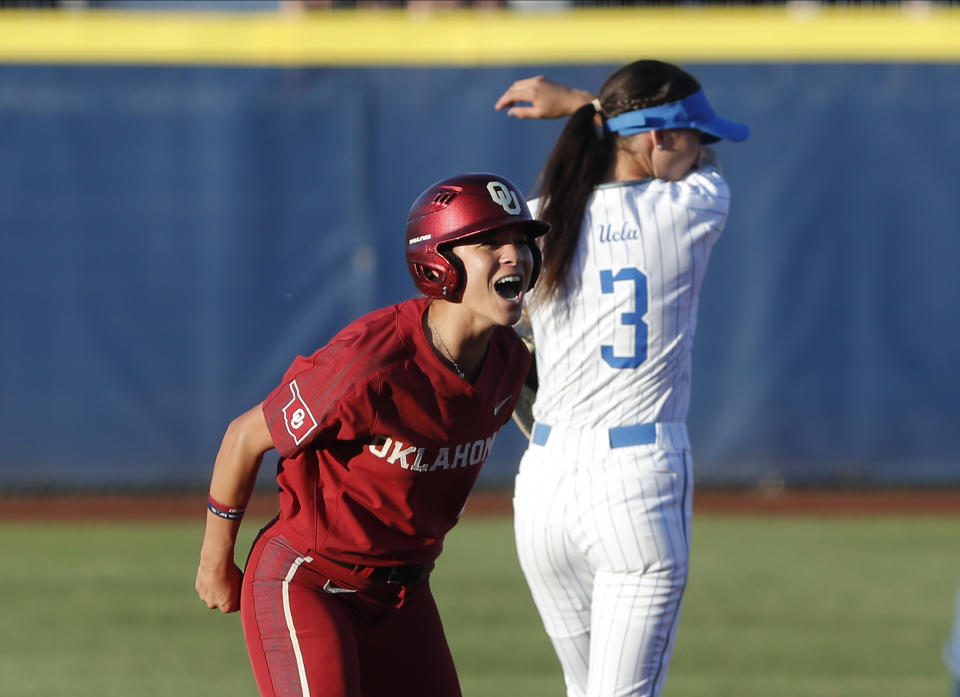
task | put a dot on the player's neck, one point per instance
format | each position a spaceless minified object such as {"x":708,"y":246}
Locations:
{"x":630,"y":166}
{"x":456,"y":339}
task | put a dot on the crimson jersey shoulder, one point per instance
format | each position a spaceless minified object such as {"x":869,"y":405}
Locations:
{"x":372,"y":341}
{"x":307,"y":402}
{"x":360,"y":349}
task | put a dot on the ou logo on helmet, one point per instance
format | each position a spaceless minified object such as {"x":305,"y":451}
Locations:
{"x":504,"y":197}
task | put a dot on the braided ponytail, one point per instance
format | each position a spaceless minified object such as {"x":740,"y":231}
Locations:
{"x":579,"y":161}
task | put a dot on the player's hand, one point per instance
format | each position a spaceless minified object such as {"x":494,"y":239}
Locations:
{"x":707,"y":158}
{"x":218,"y":585}
{"x":547,"y":99}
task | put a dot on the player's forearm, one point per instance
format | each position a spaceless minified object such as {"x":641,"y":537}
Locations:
{"x":234,"y":475}
{"x":230,"y":488}
{"x":547,"y":99}
{"x":575,"y":99}
{"x":525,"y":330}
{"x":708,"y":157}
{"x":219,"y":539}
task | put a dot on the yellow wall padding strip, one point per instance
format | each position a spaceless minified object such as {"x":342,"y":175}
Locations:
{"x":795,"y":32}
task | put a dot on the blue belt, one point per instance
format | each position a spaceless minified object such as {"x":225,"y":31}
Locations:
{"x":620,"y":436}
{"x":540,"y":433}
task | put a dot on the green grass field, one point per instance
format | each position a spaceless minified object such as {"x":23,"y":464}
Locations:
{"x":776,"y":607}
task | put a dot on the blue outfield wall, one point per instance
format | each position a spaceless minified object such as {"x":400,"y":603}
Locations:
{"x":173,"y":236}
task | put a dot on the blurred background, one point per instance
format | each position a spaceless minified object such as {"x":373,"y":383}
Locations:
{"x":192,"y":193}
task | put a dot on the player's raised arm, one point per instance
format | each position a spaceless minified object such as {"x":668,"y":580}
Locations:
{"x":708,"y":157}
{"x":541,"y":98}
{"x":234,"y":474}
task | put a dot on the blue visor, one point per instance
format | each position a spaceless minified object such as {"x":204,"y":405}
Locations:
{"x":690,"y":112}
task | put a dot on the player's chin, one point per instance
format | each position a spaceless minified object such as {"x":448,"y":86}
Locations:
{"x":509,"y":309}
{"x":514,"y":318}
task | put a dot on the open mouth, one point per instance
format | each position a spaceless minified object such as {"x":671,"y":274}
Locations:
{"x":509,"y":287}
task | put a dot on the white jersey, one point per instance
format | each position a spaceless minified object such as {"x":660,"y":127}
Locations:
{"x":615,"y":349}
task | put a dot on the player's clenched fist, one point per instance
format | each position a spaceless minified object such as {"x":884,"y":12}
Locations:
{"x":548,"y":99}
{"x":219,"y":586}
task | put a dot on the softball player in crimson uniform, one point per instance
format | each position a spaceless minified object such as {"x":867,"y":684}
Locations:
{"x":603,"y":494}
{"x":382,"y":433}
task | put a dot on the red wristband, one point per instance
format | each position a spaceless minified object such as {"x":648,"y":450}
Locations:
{"x":228,"y":512}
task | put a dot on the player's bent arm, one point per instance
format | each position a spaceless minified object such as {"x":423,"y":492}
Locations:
{"x":548,"y":99}
{"x":708,"y":158}
{"x":234,"y":474}
{"x":524,"y":330}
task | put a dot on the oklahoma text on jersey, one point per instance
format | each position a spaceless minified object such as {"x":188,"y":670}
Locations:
{"x":469,"y":454}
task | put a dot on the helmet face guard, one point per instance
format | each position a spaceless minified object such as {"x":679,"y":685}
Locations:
{"x":452,"y":211}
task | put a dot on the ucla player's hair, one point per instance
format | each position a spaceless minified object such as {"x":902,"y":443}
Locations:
{"x":583,"y":158}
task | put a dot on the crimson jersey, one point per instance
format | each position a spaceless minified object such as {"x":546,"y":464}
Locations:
{"x":381,"y":442}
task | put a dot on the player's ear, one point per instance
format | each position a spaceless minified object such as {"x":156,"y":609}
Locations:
{"x":658,"y":139}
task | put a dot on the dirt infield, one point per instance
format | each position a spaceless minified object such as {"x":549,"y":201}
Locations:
{"x":186,"y":506}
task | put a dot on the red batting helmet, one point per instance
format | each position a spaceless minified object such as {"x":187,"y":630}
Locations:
{"x":453,"y":210}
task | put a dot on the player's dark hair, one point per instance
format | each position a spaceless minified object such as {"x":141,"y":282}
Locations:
{"x":583,"y":157}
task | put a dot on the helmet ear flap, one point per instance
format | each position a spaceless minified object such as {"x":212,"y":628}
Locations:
{"x":436,"y":275}
{"x":457,"y":275}
{"x":537,"y":261}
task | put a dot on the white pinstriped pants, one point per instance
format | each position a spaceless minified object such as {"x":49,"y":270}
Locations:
{"x":603,"y":539}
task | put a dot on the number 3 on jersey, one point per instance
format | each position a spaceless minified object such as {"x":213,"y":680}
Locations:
{"x":639,"y":281}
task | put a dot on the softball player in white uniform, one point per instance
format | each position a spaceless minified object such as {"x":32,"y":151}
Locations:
{"x":951,"y":650}
{"x":603,"y":494}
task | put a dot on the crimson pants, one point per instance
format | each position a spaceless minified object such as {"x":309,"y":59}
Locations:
{"x":370,"y":639}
